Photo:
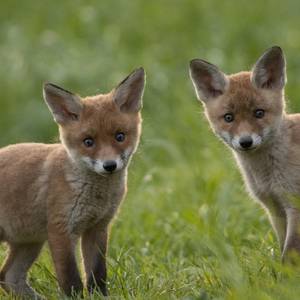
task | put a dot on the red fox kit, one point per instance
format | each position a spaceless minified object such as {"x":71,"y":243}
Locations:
{"x":63,"y":192}
{"x":247,"y":111}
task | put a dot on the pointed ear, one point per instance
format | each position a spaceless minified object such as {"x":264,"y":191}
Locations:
{"x":269,"y":71}
{"x":64,"y":105}
{"x":208,"y":80}
{"x":129,"y":93}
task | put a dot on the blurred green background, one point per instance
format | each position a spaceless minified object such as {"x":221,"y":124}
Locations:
{"x":187,"y":229}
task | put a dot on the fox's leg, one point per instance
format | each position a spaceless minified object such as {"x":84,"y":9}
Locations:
{"x":277,"y":216}
{"x":94,"y":246}
{"x":62,"y":248}
{"x":274,"y":206}
{"x":14,"y":271}
{"x":279,"y":226}
{"x":278,"y":219}
{"x":292,"y":241}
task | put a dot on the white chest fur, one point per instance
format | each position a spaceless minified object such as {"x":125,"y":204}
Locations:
{"x":95,"y":199}
{"x":270,"y":174}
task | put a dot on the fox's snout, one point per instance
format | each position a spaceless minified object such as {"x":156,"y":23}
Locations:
{"x":105,"y":166}
{"x":246,"y":142}
{"x":109,"y":165}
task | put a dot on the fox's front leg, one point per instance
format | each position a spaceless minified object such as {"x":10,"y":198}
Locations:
{"x":62,"y":250}
{"x":94,"y":247}
{"x":278,"y":218}
{"x":292,"y":240}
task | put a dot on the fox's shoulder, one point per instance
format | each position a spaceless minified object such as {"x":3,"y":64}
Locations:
{"x":27,"y":163}
{"x":29,"y":148}
{"x":29,"y":152}
{"x":293,"y":127}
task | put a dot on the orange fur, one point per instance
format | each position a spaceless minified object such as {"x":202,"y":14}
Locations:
{"x":61,"y":192}
{"x":247,"y":111}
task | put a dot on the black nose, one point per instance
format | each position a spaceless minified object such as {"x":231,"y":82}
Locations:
{"x":246,"y":142}
{"x":109,"y":165}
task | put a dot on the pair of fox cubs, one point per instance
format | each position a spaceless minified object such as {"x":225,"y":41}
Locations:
{"x":63,"y":192}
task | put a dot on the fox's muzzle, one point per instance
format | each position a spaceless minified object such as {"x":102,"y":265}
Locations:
{"x":246,"y":142}
{"x":109,"y":165}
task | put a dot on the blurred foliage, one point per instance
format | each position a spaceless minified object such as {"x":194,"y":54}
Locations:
{"x":187,"y":229}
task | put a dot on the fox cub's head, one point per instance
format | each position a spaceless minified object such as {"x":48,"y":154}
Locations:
{"x":101,"y":132}
{"x":244,"y":109}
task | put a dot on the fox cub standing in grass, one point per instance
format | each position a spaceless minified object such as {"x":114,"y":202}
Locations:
{"x":62,"y":192}
{"x":247,"y":111}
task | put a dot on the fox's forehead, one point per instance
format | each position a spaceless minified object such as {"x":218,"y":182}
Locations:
{"x":240,"y":96}
{"x":98,"y":105}
{"x":241,"y":93}
{"x":101,"y":113}
{"x":240,"y":82}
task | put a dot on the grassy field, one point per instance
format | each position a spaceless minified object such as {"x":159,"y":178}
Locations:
{"x":187,"y":229}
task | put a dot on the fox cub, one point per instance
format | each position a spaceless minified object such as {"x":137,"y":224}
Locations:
{"x":63,"y":192}
{"x":247,"y":111}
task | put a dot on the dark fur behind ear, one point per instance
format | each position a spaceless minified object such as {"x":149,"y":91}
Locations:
{"x":208,"y":80}
{"x":64,"y":105}
{"x":129,"y":93}
{"x":269,"y":71}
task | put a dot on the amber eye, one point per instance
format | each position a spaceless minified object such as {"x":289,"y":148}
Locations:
{"x":259,"y":113}
{"x":88,"y":142}
{"x":228,"y":117}
{"x":120,"y":137}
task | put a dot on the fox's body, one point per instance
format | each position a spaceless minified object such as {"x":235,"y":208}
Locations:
{"x":63,"y":192}
{"x":247,"y":111}
{"x":273,"y":177}
{"x":47,"y":174}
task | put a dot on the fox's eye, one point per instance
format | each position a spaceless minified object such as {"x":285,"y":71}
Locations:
{"x":120,"y":137}
{"x":88,"y":142}
{"x":259,"y":113}
{"x":228,"y":118}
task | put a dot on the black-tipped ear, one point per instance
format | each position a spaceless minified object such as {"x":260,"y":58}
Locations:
{"x":269,"y":71}
{"x":64,"y":105}
{"x":129,"y":93}
{"x":208,"y":80}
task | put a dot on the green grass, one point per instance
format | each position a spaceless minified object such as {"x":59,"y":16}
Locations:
{"x":187,"y":229}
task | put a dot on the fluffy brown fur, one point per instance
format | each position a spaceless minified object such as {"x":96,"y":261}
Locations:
{"x":250,"y":106}
{"x":62,"y":192}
